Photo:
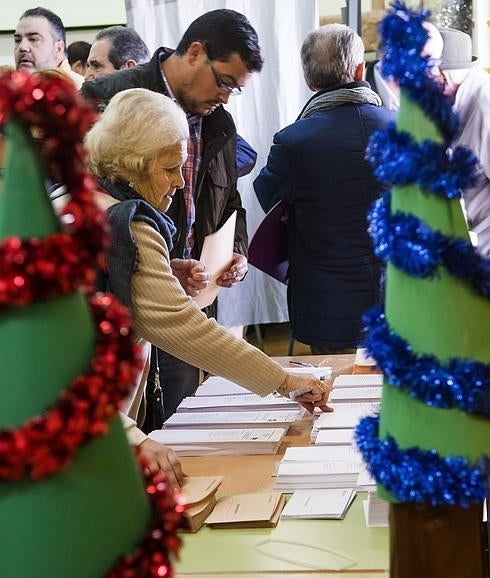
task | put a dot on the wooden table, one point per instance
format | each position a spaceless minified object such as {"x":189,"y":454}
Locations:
{"x":306,"y":547}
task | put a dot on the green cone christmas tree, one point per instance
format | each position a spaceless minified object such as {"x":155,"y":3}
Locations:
{"x":72,"y":497}
{"x":429,"y":451}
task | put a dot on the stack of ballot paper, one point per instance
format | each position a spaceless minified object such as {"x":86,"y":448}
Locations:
{"x":355,"y":395}
{"x":368,"y":380}
{"x":215,"y":385}
{"x":363,"y":358}
{"x":345,"y":416}
{"x":249,"y":402}
{"x":317,"y":475}
{"x":322,"y":454}
{"x":375,"y":511}
{"x":198,"y":442}
{"x":233,"y":419}
{"x":199,"y":499}
{"x":247,"y":511}
{"x":363,"y":363}
{"x":319,"y":504}
{"x":321,"y":372}
{"x":335,"y":437}
{"x":364,"y":480}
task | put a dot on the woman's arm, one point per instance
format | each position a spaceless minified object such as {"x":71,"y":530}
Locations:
{"x":166,"y":317}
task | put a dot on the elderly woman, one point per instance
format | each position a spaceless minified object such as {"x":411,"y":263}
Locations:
{"x":137,"y":150}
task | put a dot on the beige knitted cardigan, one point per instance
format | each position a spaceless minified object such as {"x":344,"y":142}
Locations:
{"x":166,"y":317}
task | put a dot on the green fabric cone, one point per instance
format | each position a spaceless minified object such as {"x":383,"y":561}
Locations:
{"x":441,"y":316}
{"x":74,"y":524}
{"x":25,"y":210}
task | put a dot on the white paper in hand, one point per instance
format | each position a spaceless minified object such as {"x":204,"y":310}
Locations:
{"x":217,"y":255}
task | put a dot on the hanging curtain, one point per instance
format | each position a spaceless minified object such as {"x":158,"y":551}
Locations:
{"x":270,"y":101}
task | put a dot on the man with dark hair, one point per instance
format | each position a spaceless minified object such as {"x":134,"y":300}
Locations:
{"x":213,"y":61}
{"x":115,"y":48}
{"x":226,"y":32}
{"x":77,"y":53}
{"x":317,"y":167}
{"x":40,"y":43}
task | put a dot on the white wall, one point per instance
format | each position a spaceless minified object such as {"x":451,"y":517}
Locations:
{"x":88,"y":16}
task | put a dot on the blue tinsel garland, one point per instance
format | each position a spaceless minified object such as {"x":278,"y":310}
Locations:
{"x":414,"y":475}
{"x":398,"y":159}
{"x":461,"y":383}
{"x":412,"y":246}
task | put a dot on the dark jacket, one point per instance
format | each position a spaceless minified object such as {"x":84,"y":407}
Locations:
{"x":317,"y":166}
{"x":216,"y":195}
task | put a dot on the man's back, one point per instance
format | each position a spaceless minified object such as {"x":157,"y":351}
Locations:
{"x":334,"y":275}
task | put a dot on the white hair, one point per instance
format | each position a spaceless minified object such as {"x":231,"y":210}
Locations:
{"x":137,"y":125}
{"x":330,"y":55}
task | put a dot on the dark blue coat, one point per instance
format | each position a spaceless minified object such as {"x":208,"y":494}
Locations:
{"x":317,"y":166}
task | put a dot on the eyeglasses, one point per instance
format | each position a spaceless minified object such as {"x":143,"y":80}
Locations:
{"x":223,"y":84}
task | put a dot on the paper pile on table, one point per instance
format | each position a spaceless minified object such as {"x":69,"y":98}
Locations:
{"x":199,"y":442}
{"x":319,"y":504}
{"x":232,"y":419}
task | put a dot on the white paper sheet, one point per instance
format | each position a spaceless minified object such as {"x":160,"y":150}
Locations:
{"x":217,"y":254}
{"x":321,"y":454}
{"x":318,"y":504}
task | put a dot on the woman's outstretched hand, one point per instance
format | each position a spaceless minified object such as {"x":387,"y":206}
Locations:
{"x":307,"y":390}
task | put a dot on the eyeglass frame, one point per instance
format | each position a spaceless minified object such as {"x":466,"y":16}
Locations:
{"x":221,"y":84}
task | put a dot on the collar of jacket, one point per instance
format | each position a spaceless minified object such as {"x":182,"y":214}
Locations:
{"x":354,"y":84}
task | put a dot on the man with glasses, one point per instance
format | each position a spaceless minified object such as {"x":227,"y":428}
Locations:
{"x":213,"y":61}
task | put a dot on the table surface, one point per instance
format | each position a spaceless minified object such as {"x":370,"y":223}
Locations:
{"x":298,"y":548}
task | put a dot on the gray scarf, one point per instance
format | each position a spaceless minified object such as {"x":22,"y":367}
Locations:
{"x":354,"y":93}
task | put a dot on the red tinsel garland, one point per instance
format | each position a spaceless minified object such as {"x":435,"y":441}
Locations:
{"x":45,"y":444}
{"x":37,"y":269}
{"x":151,"y":559}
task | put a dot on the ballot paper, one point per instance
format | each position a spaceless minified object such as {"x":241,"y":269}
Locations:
{"x":364,"y":480}
{"x":355,"y":394}
{"x":359,"y":380}
{"x":199,"y":499}
{"x":197,"y":489}
{"x":215,"y":385}
{"x":247,"y":511}
{"x":363,"y":358}
{"x":376,"y":511}
{"x":321,"y":454}
{"x":250,"y":402}
{"x":217,"y":255}
{"x":197,"y":442}
{"x":333,"y":437}
{"x":317,"y":475}
{"x":323,"y":372}
{"x":319,"y":504}
{"x":345,"y":416}
{"x":231,"y":419}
